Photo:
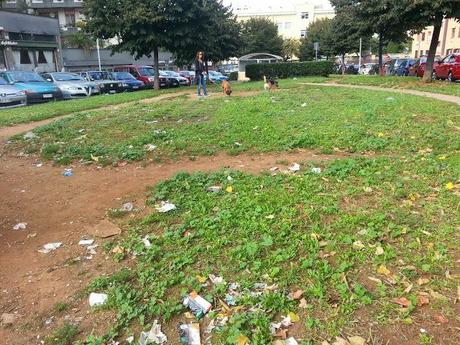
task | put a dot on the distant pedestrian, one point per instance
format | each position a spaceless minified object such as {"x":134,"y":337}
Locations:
{"x":201,"y":71}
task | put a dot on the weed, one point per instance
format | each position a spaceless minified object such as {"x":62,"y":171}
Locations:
{"x":63,"y":335}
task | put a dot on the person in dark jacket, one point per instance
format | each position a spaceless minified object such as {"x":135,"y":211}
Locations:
{"x":201,"y":70}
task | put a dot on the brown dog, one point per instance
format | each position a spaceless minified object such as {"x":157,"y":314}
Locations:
{"x":226,"y":87}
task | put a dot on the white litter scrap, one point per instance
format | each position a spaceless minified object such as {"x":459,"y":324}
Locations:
{"x":30,"y":135}
{"x":316,"y":170}
{"x":291,"y":341}
{"x":92,"y":249}
{"x":216,"y":279}
{"x":127,"y":207}
{"x":146,"y":242}
{"x":304,"y":105}
{"x":294,"y":167}
{"x":286,"y":321}
{"x":49,"y":247}
{"x":154,"y":336}
{"x":20,"y":226}
{"x":97,"y":299}
{"x":85,"y":242}
{"x":150,"y":147}
{"x":165,"y":206}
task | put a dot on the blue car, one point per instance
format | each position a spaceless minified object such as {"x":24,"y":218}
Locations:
{"x":130,"y":83}
{"x":403,"y":68}
{"x":35,"y":87}
{"x":216,"y":77}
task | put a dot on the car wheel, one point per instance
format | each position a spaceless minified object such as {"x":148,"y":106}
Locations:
{"x":434,"y":76}
{"x":450,"y":77}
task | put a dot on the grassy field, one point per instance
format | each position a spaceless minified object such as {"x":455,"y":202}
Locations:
{"x":354,"y":241}
{"x":413,"y":83}
{"x":308,"y":117}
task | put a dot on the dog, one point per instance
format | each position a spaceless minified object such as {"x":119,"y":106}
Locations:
{"x":270,"y":84}
{"x":226,"y":87}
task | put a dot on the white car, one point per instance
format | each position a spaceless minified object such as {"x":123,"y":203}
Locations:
{"x":10,"y":95}
{"x":71,"y":84}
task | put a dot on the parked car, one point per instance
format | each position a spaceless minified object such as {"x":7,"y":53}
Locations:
{"x":216,"y":77}
{"x":448,"y":68}
{"x":368,"y":68}
{"x":170,"y":81}
{"x":420,"y":69}
{"x":71,"y":84}
{"x":190,"y":75}
{"x":404,"y":66}
{"x":103,"y":80}
{"x":10,"y":95}
{"x":182,"y":80}
{"x":129,"y":82}
{"x":146,"y":74}
{"x":35,"y":87}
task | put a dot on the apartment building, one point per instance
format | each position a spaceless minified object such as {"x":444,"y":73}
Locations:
{"x":291,"y":16}
{"x":67,"y":12}
{"x":449,"y":40}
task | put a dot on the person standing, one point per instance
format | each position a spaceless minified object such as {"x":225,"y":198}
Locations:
{"x":201,"y":70}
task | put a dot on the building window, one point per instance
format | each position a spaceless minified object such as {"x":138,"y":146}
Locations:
{"x":303,"y":33}
{"x":304,"y":15}
{"x":423,"y":36}
{"x":58,"y":1}
{"x":70,"y":19}
{"x":11,"y":1}
{"x":37,"y":1}
{"x":24,"y":58}
{"x":287,"y":25}
{"x":429,"y":35}
{"x":416,"y":54}
{"x":41,"y":57}
{"x":78,"y":0}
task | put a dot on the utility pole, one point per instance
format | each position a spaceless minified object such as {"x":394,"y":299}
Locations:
{"x":360,"y":54}
{"x":98,"y":54}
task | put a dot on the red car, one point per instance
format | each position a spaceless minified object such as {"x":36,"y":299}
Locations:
{"x":142,"y":73}
{"x":448,"y":68}
{"x":420,"y":65}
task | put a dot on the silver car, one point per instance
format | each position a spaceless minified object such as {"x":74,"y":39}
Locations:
{"x":72,"y":85}
{"x":11,"y":96}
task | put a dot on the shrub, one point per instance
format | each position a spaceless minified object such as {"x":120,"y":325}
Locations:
{"x":288,"y":69}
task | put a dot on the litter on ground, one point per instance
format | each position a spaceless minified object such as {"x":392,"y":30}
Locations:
{"x":190,"y":333}
{"x":154,"y":336}
{"x":20,"y":226}
{"x":86,"y":242}
{"x":316,"y":170}
{"x":127,"y":207}
{"x":97,"y":299}
{"x":294,"y":167}
{"x":197,"y":304}
{"x":165,"y":206}
{"x":67,"y":172}
{"x":49,"y":247}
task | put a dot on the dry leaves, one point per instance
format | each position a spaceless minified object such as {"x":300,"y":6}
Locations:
{"x":357,"y":340}
{"x":242,"y":340}
{"x":440,"y":318}
{"x":402,"y":301}
{"x":423,"y":281}
{"x":422,"y":300}
{"x":303,"y":303}
{"x":296,"y":294}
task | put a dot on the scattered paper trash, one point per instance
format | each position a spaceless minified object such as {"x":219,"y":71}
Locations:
{"x":294,"y":167}
{"x":316,"y":170}
{"x":49,"y":247}
{"x":146,"y":242}
{"x":229,"y":178}
{"x":127,"y":207}
{"x":237,"y":144}
{"x":30,"y":135}
{"x":165,"y":206}
{"x":304,"y":105}
{"x":104,"y":229}
{"x":291,"y":341}
{"x":189,"y":333}
{"x":85,"y":242}
{"x":97,"y":299}
{"x":67,"y":172}
{"x":39,"y":165}
{"x":197,"y":304}
{"x":154,"y":336}
{"x":230,"y":300}
{"x":130,"y":339}
{"x":92,"y":249}
{"x":214,"y":189}
{"x":150,"y":147}
{"x":216,"y":279}
{"x":20,"y":226}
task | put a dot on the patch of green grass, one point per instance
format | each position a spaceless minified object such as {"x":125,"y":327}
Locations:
{"x":298,"y":232}
{"x":63,"y":335}
{"x":414,"y":83}
{"x":61,"y":306}
{"x":308,"y":117}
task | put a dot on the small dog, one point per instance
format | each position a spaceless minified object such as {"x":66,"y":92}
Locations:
{"x":270,"y":84}
{"x":226,"y":87}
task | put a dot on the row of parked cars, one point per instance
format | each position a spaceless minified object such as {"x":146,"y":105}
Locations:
{"x":24,"y":87}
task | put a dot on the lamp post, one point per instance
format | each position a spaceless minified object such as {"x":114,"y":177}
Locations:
{"x":98,"y":54}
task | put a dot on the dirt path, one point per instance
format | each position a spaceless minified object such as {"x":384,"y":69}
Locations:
{"x":441,"y":97}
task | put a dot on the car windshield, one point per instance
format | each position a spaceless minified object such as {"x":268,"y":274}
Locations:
{"x":147,"y":71}
{"x":123,"y":76}
{"x":214,"y":73}
{"x":164,"y":74}
{"x":98,"y":75}
{"x":3,"y":81}
{"x":24,"y":77}
{"x":60,"y":76}
{"x":173,"y":74}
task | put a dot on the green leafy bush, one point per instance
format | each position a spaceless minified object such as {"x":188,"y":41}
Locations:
{"x":287,"y":69}
{"x":233,"y":76}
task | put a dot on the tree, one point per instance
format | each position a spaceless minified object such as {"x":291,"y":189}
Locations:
{"x":260,"y":35}
{"x":387,"y":19}
{"x":424,"y":13}
{"x":291,"y":48}
{"x":78,"y":39}
{"x":318,"y":31}
{"x":145,"y":26}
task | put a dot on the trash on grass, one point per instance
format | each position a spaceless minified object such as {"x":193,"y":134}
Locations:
{"x":165,"y":206}
{"x":146,"y":242}
{"x":104,"y":229}
{"x":96,"y":299}
{"x":92,"y":249}
{"x":219,"y":322}
{"x":189,"y":333}
{"x":86,"y":242}
{"x":67,"y":172}
{"x":150,"y":147}
{"x":294,"y":167}
{"x":154,"y":336}
{"x":127,"y":207}
{"x":214,"y":189}
{"x":197,"y":304}
{"x":229,"y":189}
{"x":30,"y":135}
{"x":20,"y":226}
{"x":49,"y":247}
{"x":230,"y":300}
{"x":304,"y":105}
{"x":316,"y":170}
{"x":216,"y":279}
{"x":291,"y":341}
{"x":118,"y":250}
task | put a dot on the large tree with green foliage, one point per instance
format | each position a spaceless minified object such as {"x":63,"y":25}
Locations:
{"x":291,"y":47}
{"x":318,"y":31}
{"x":144,"y":26}
{"x":424,"y":13}
{"x":260,"y":35}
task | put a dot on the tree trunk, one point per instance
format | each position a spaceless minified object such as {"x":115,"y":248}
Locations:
{"x":381,"y":72}
{"x":156,"y":67}
{"x":427,"y":76}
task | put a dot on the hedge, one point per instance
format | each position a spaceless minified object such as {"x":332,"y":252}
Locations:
{"x":289,"y":69}
{"x":233,"y":76}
